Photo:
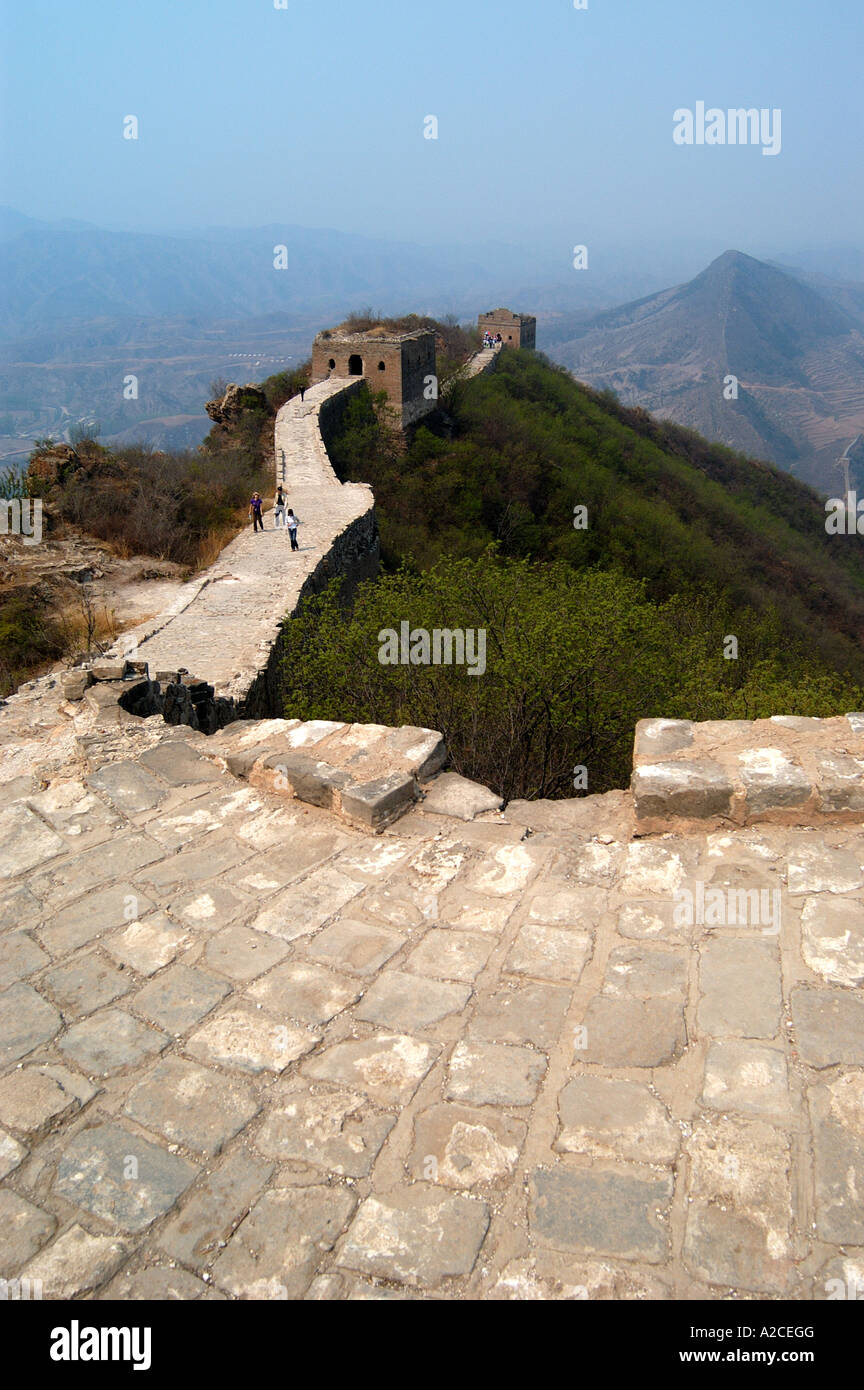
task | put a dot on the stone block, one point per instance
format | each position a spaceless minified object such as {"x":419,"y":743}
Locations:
{"x":305,"y":991}
{"x":416,"y":1237}
{"x":609,"y":1119}
{"x":377,"y":803}
{"x":355,"y":946}
{"x":550,"y":953}
{"x":387,"y":1068}
{"x":241,"y":761}
{"x":74,"y":683}
{"x":494,"y":1074}
{"x":25,"y":841}
{"x":687,"y":789}
{"x":772,"y":781}
{"x":26,"y":1022}
{"x":740,"y":984}
{"x":158,"y":1285}
{"x":275,"y":1251}
{"x":829,"y":1026}
{"x":301,"y":910}
{"x":85,"y":983}
{"x":737,"y":1233}
{"x":816,"y":868}
{"x":837,"y":1117}
{"x":149,"y":944}
{"x":76,"y":1263}
{"x":401,"y":1001}
{"x":24,"y":1229}
{"x":12,"y":1154}
{"x":241,"y":953}
{"x":746,"y":1077}
{"x":33,"y":1098}
{"x":130,"y":788}
{"x":629,"y":1032}
{"x":120,"y":1177}
{"x":251,"y":1041}
{"x":646,"y":972}
{"x":840,"y":782}
{"x":108,"y":670}
{"x":659,"y":738}
{"x":832,"y":939}
{"x":338,"y":1132}
{"x":595,"y":1211}
{"x":460,"y":1147}
{"x":421,"y":751}
{"x":19,"y":957}
{"x":179,"y":997}
{"x":451,"y":955}
{"x":91,"y":916}
{"x":108,"y":1041}
{"x":295,"y":774}
{"x":180,"y":765}
{"x":192,"y":1105}
{"x":521,"y":1012}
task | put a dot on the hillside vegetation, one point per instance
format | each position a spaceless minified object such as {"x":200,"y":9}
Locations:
{"x":687,"y":545}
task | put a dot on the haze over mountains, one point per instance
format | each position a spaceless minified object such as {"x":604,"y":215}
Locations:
{"x":84,"y":306}
{"x":794,"y":341}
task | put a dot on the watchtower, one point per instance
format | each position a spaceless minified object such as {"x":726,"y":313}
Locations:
{"x":402,"y":364}
{"x":517,"y":330}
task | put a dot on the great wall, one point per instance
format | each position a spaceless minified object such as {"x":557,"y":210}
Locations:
{"x":291,"y":1011}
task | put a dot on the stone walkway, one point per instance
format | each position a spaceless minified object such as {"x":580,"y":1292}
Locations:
{"x":249,"y":1052}
{"x":226,"y":621}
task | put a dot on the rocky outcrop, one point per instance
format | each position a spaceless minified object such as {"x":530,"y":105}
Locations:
{"x":235,"y":402}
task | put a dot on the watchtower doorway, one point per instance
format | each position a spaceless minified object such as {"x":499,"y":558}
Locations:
{"x":355,"y":364}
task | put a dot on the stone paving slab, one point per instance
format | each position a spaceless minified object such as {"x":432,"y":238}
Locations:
{"x":254,"y":1052}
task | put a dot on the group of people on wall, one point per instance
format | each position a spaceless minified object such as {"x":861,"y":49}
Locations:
{"x":283,"y":515}
{"x":490,"y":341}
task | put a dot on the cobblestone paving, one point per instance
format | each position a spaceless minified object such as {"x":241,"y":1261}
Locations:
{"x":249,"y":1052}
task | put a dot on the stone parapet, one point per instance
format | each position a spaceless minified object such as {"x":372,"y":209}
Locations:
{"x":785,"y":770}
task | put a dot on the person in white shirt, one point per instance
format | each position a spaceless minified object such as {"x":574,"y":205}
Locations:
{"x":292,"y":522}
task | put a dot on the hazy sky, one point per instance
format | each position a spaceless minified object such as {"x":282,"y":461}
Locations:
{"x":554,"y":124}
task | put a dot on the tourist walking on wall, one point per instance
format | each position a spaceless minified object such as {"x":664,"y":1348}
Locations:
{"x":255,"y":516}
{"x":292,"y":523}
{"x":279,"y":509}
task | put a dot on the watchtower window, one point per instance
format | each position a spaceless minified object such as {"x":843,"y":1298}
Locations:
{"x":332,"y":363}
{"x":355,"y":365}
{"x":382,"y":366}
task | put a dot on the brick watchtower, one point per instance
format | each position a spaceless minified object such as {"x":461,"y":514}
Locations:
{"x":517,"y":330}
{"x":402,"y":364}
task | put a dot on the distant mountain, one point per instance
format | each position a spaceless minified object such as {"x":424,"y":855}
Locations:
{"x":795,"y":346}
{"x":82,"y":307}
{"x":57,"y":272}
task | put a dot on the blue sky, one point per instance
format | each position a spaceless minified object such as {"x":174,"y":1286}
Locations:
{"x":555,"y":125}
